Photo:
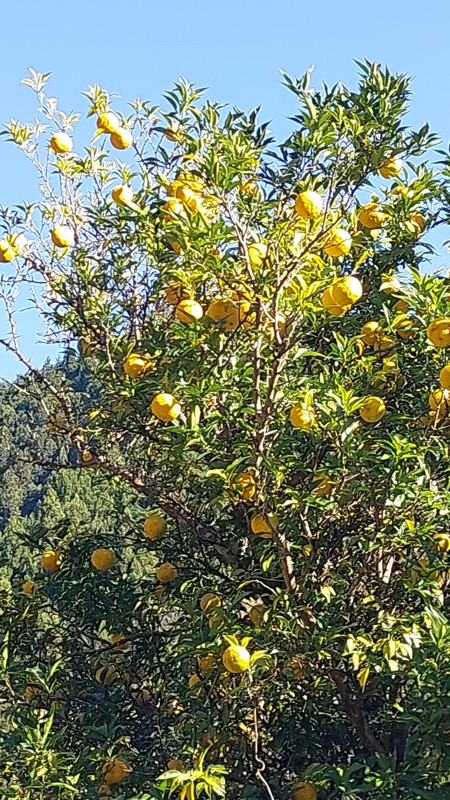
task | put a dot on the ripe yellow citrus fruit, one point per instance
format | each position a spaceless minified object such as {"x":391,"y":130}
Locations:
{"x":176,"y":292}
{"x":439,"y":399}
{"x":62,"y":236}
{"x":371,"y":216}
{"x":331,"y":304}
{"x":389,"y":366}
{"x":302,"y":417}
{"x":347,"y":290}
{"x":137,"y":364}
{"x":176,"y":763}
{"x":172,"y":132}
{"x":209,"y":602}
{"x":61,"y":143}
{"x":194,"y":682}
{"x":373,"y":409}
{"x":121,"y":139}
{"x":304,"y":790}
{"x":165,"y":407}
{"x":166,"y":573}
{"x":308,"y":205}
{"x":401,"y":306}
{"x":207,"y":663}
{"x":29,"y":587}
{"x":236,"y":658}
{"x":264,"y":525}
{"x":159,"y":592}
{"x":123,"y":196}
{"x":444,"y":377}
{"x":443,"y":541}
{"x":244,"y":485}
{"x":391,"y":168}
{"x":108,"y":122}
{"x":188,"y":311}
{"x":369,"y":332}
{"x":115,"y":771}
{"x":221,"y":309}
{"x":419,"y":221}
{"x":7,"y":252}
{"x":438,"y":332}
{"x":103,"y":558}
{"x":191,"y":199}
{"x":105,"y":675}
{"x":257,"y":254}
{"x":338,"y":243}
{"x":155,"y":526}
{"x":51,"y":560}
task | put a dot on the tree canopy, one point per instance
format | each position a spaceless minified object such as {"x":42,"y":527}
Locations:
{"x":237,"y":582}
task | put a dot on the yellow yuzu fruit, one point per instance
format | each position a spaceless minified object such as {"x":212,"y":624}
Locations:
{"x":347,"y":290}
{"x":121,"y":139}
{"x":108,"y":122}
{"x":383,"y":344}
{"x":245,"y":486}
{"x":439,"y":398}
{"x":61,"y":143}
{"x":444,"y":377}
{"x":338,"y":243}
{"x":51,"y":560}
{"x":264,"y":525}
{"x":442,"y":541}
{"x":209,"y":602}
{"x":188,"y":311}
{"x":419,"y":221}
{"x":207,"y":663}
{"x":194,"y":682}
{"x":165,"y":407}
{"x":438,"y":332}
{"x":304,"y":790}
{"x":137,"y":364}
{"x":166,"y":573}
{"x":392,"y":167}
{"x":371,"y":216}
{"x":369,"y":332}
{"x":103,"y":558}
{"x":63,"y":236}
{"x":257,"y":253}
{"x":302,"y":417}
{"x":373,"y":409}
{"x":29,"y":587}
{"x":324,"y":487}
{"x":308,"y":205}
{"x":236,"y":658}
{"x":106,"y":675}
{"x":155,"y":526}
{"x":115,"y":771}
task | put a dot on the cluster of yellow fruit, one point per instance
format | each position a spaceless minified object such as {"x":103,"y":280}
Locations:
{"x":102,"y":559}
{"x":119,"y":136}
{"x":11,"y":247}
{"x":309,"y":206}
{"x":186,"y":193}
{"x":113,"y":772}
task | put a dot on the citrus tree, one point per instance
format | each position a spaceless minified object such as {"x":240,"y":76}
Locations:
{"x":263,"y":612}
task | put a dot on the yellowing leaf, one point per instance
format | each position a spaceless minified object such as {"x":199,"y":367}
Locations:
{"x":363,"y":675}
{"x":327,"y":591}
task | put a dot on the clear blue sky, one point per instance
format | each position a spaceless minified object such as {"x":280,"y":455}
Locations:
{"x":235,"y":48}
